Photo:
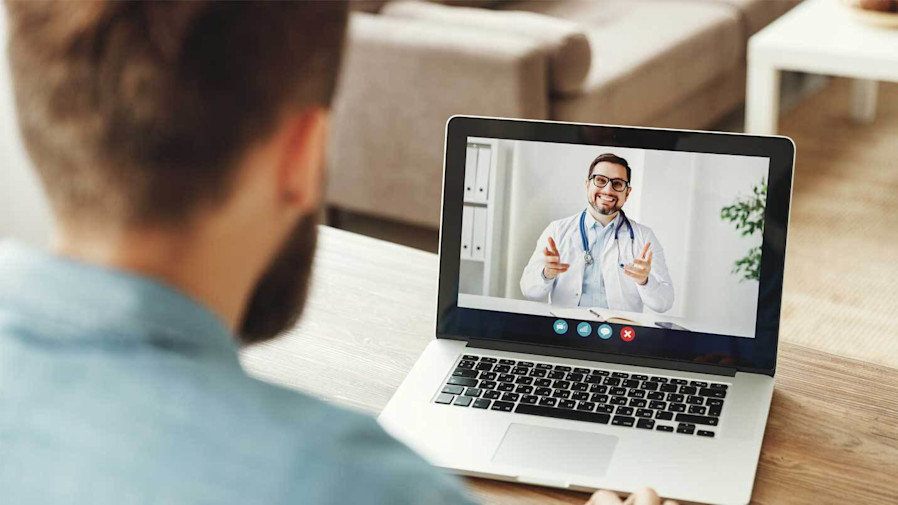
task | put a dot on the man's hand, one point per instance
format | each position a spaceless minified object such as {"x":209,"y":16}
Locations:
{"x":642,"y":266}
{"x":551,"y":258}
{"x":646,"y":496}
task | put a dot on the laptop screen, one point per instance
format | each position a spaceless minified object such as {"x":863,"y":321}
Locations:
{"x":616,"y":248}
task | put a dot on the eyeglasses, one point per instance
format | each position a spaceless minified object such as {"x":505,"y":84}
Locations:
{"x":600,"y":181}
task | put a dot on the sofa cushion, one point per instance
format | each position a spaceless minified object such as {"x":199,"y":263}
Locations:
{"x":647,"y":54}
{"x":757,"y":14}
{"x":566,"y":46}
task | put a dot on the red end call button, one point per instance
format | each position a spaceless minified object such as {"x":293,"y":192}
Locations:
{"x":627,"y":334}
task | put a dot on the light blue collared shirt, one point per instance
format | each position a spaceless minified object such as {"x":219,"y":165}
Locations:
{"x":116,"y":389}
{"x":598,"y":237}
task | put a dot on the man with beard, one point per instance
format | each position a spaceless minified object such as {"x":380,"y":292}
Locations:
{"x":599,"y":257}
{"x":182,"y":147}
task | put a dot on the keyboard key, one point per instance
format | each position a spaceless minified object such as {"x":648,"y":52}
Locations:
{"x":713,"y":393}
{"x":658,"y":379}
{"x":644,"y":413}
{"x":657,"y":405}
{"x":598,"y":388}
{"x":676,"y":398}
{"x":505,"y":386}
{"x":576,"y":415}
{"x":586,"y":406}
{"x":524,"y":389}
{"x":484,"y":366}
{"x":623,"y":421}
{"x":624,"y":411}
{"x":698,"y":384}
{"x":529,"y":399}
{"x":676,"y":407}
{"x":561,"y":393}
{"x":488,"y":385}
{"x":480,"y":403}
{"x":567,"y":404}
{"x":502,"y":369}
{"x":705,"y":433}
{"x":599,"y":398}
{"x":470,"y":357}
{"x":594,"y":379}
{"x":542,"y":383}
{"x":695,"y":400}
{"x":693,"y":419}
{"x":563,"y":368}
{"x":688,"y":390}
{"x":714,"y":411}
{"x":444,"y":398}
{"x":453,"y":390}
{"x":462,"y":381}
{"x":713,"y":402}
{"x":527,"y":364}
{"x":617,"y":391}
{"x":574,"y":377}
{"x":502,"y":406}
{"x":611,"y":381}
{"x":579,"y":386}
{"x":636,"y":393}
{"x":580,"y":396}
{"x":520,"y":370}
{"x":636,"y":402}
{"x":461,"y":372}
{"x":492,"y":395}
{"x":678,"y":382}
{"x":602,"y":373}
{"x":556,"y":374}
{"x":645,"y":424}
{"x":686,"y":429}
{"x":537,"y":372}
{"x":466,"y":364}
{"x":473,"y":392}
{"x":662,"y":427}
{"x":663,"y":416}
{"x":462,"y":401}
{"x":718,"y":386}
{"x":668,"y":388}
{"x":488,"y":360}
{"x":547,"y":402}
{"x":506,"y":362}
{"x":510,"y":397}
{"x":630,"y":383}
{"x":584,"y":371}
{"x":544,"y":366}
{"x":657,"y":395}
{"x":543,"y":391}
{"x":618,"y":400}
{"x":639,"y":377}
{"x":697,"y":409}
{"x":649,"y":386}
{"x":620,"y":375}
{"x":487,"y":376}
{"x":524,"y":380}
{"x":561,"y":384}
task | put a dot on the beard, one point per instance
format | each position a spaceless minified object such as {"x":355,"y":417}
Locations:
{"x":606,"y":211}
{"x":279,"y":296}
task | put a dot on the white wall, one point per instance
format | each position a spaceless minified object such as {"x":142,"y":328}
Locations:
{"x":24,"y":210}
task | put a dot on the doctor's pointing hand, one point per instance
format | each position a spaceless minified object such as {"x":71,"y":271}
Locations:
{"x":590,"y":259}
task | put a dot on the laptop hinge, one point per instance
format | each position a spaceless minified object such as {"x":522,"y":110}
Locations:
{"x":561,"y":352}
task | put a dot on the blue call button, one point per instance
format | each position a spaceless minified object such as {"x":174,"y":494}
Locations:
{"x":584,"y":329}
{"x":605,"y":331}
{"x":560,"y":326}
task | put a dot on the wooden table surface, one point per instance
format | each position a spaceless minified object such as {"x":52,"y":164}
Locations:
{"x":832,"y":435}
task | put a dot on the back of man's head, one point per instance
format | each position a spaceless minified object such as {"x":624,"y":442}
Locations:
{"x":134,"y":113}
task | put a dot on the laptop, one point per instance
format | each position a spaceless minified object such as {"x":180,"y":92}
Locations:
{"x":608,"y":309}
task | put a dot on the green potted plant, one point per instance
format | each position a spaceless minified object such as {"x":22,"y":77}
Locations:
{"x":747,"y":213}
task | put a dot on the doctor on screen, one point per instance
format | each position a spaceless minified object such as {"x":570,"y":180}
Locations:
{"x":599,"y":257}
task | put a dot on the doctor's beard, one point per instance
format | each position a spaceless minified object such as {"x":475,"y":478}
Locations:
{"x":605,"y":211}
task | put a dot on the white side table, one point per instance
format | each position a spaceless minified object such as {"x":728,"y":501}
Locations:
{"x":821,"y":37}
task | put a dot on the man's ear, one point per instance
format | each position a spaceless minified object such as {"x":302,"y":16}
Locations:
{"x":301,"y":172}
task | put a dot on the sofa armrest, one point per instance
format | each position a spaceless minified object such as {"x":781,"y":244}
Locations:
{"x":401,"y":80}
{"x":565,"y":43}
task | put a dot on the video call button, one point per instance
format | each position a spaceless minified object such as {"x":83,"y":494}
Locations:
{"x":605,"y":332}
{"x":627,"y":334}
{"x":584,"y":329}
{"x":560,"y":326}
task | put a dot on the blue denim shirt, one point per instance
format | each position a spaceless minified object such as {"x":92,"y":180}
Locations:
{"x":118,"y":390}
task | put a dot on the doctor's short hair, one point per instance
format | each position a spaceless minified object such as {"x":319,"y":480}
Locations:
{"x":138,"y":112}
{"x":611,"y":158}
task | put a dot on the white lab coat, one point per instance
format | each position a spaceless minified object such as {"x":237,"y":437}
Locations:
{"x":621,"y":290}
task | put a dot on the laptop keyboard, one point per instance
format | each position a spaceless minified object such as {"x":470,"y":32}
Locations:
{"x":660,"y":403}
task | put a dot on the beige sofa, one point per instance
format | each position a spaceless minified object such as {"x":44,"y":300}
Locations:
{"x":412,"y":65}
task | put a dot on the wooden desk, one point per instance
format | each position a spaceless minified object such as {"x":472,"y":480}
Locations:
{"x":832,"y":436}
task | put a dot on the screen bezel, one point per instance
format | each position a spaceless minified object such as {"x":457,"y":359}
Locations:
{"x":657,"y":345}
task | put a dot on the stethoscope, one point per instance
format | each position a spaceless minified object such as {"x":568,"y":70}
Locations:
{"x":587,"y":256}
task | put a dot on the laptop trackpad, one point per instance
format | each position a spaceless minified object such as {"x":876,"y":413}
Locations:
{"x":556,"y":450}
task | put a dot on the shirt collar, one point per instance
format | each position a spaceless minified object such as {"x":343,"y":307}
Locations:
{"x":590,"y":222}
{"x":89,"y":302}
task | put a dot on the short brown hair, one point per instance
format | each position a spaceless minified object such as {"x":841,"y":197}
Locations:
{"x":611,"y":158}
{"x":135,"y":112}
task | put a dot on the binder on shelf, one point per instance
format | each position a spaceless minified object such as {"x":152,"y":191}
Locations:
{"x":470,"y":172}
{"x":467,"y":225}
{"x":482,"y":182}
{"x":478,"y":234}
